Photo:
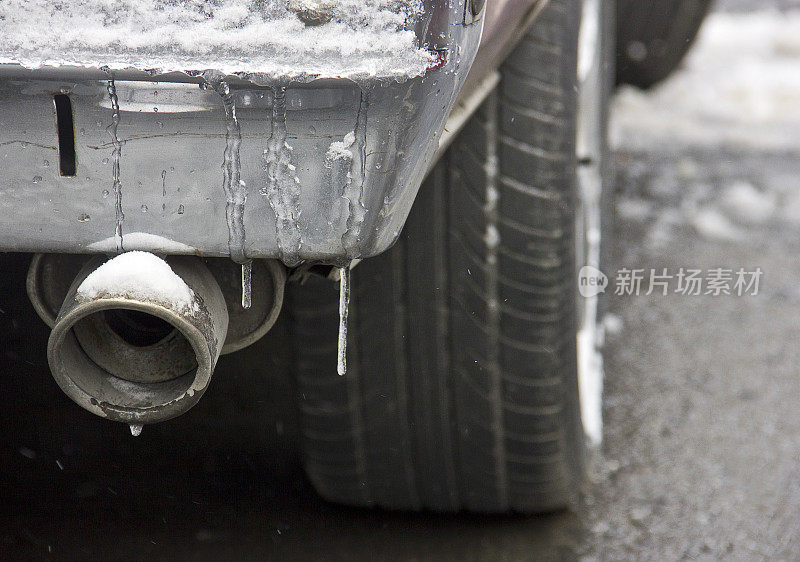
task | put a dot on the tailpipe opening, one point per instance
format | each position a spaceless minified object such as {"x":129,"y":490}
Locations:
{"x":137,"y":338}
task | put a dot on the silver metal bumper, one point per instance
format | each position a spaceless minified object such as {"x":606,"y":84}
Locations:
{"x":329,"y":168}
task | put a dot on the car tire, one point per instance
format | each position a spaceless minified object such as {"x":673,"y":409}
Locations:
{"x":461,"y":391}
{"x":653,"y":36}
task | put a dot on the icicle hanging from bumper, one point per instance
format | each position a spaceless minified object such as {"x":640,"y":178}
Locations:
{"x":247,"y":276}
{"x":344,"y":308}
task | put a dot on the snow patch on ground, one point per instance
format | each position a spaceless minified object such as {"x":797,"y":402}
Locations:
{"x":634,"y":209}
{"x":712,"y":224}
{"x":746,"y":203}
{"x":718,"y":209}
{"x":139,"y":276}
{"x":362,"y":38}
{"x":663,"y":226}
{"x":739,"y":87}
{"x":612,"y":324}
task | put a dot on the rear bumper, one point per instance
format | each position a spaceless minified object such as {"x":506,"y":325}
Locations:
{"x":329,"y":168}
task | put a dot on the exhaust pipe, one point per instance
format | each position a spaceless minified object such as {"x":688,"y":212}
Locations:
{"x":137,"y":338}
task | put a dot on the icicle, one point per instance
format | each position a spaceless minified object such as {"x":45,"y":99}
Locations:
{"x":282,"y":186}
{"x":344,"y":307}
{"x":116,"y":155}
{"x":247,"y":275}
{"x":354,"y":191}
{"x":234,"y":188}
{"x":136,"y":429}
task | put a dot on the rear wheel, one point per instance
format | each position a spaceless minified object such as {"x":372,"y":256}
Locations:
{"x":462,"y":382}
{"x":653,"y":36}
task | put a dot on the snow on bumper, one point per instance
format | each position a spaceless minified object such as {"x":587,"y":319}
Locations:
{"x":319,"y":170}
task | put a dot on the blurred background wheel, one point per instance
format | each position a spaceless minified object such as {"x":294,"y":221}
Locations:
{"x":653,"y":36}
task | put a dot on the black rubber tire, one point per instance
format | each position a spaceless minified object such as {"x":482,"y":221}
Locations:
{"x":653,"y":36}
{"x":461,"y":390}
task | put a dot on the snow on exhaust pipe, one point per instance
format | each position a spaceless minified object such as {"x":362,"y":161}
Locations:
{"x":137,"y":338}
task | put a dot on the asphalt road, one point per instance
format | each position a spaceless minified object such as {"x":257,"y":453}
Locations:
{"x":702,"y":428}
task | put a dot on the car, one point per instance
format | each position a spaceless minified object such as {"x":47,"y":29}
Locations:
{"x":423,"y":188}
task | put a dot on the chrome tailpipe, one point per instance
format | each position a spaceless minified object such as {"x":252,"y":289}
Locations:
{"x":135,"y":342}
